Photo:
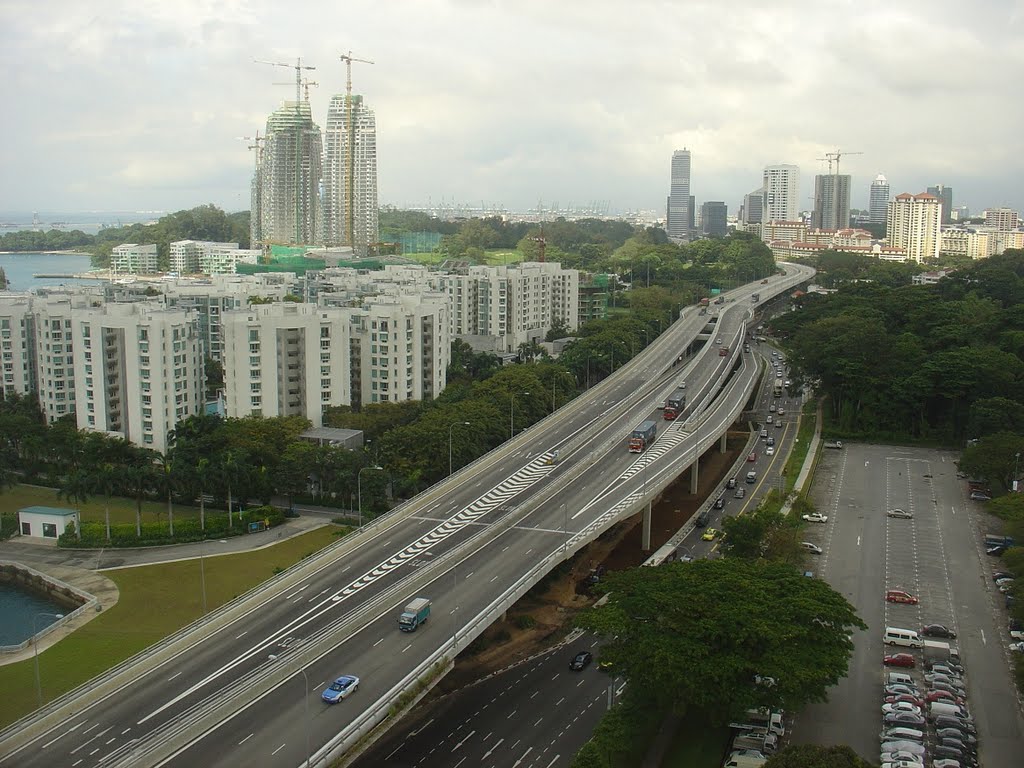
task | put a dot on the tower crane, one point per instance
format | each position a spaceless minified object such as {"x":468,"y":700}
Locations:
{"x":306,"y":85}
{"x":830,"y":156}
{"x":298,"y":66}
{"x":350,"y":224}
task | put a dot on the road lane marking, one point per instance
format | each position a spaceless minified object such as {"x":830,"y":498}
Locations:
{"x":407,"y":648}
{"x":378,"y":642}
{"x":520,"y":760}
{"x":468,"y":735}
{"x":983,"y":640}
{"x":82,"y":746}
{"x":69,"y":730}
{"x":245,"y":739}
{"x":557,"y":703}
{"x":858,"y":541}
{"x":491,"y":750}
{"x":91,"y":728}
{"x":511,"y":714}
{"x":277,"y":750}
{"x":125,"y":731}
{"x":541,"y":720}
{"x":395,"y":750}
{"x":553,"y":760}
{"x":77,"y":762}
{"x":460,"y":762}
{"x":173,"y":676}
{"x":534,"y":694}
{"x":239,"y":637}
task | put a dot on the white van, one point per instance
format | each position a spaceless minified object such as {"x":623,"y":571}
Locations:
{"x":897,"y":636}
{"x":899,"y":678}
{"x":947,"y":709}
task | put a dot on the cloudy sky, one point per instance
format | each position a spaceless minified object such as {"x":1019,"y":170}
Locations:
{"x":137,"y":104}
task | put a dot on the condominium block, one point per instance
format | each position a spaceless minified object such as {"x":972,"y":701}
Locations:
{"x":56,"y":359}
{"x":914,"y":224}
{"x":781,"y":184}
{"x":1002,"y":219}
{"x":192,"y":256}
{"x":286,"y":359}
{"x":831,"y":201}
{"x":289,"y":176}
{"x":133,"y":259}
{"x":350,"y":207}
{"x":140,"y":370}
{"x":17,"y":344}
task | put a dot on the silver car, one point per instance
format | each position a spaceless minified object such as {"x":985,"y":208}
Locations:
{"x":901,"y":513}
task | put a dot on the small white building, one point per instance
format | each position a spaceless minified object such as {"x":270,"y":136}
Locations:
{"x":47,"y":522}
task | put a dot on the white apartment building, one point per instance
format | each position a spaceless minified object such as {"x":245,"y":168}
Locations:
{"x":190,"y":256}
{"x":980,"y":242}
{"x":212,"y":296}
{"x":781,"y":193}
{"x":350,"y":207}
{"x":794,"y":231}
{"x":914,"y":225}
{"x":402,"y":345}
{"x":286,"y":359}
{"x":17,"y":344}
{"x":133,"y":259}
{"x":140,"y":370}
{"x":56,"y":351}
{"x":1002,"y":219}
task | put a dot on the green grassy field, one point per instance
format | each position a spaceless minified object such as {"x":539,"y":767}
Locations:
{"x":155,"y":601}
{"x":121,"y":510}
{"x":492,"y":257}
{"x":808,"y":419}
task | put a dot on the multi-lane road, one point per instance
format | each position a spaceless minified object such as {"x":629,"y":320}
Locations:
{"x":467,"y":543}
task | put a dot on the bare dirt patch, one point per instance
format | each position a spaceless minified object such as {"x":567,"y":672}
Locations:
{"x":544,"y":615}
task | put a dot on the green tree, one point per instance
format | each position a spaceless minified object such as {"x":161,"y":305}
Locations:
{"x":994,"y":457}
{"x":698,"y":635}
{"x":815,"y":756}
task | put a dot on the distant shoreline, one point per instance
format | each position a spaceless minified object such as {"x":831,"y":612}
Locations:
{"x":39,"y":253}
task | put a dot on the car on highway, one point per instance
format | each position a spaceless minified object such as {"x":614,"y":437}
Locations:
{"x":768,"y":420}
{"x":752,"y":456}
{"x":778,"y":424}
{"x":937,"y":630}
{"x":787,"y":383}
{"x":816,"y":517}
{"x":808,"y":546}
{"x":740,"y":493}
{"x":771,"y":408}
{"x":899,"y":596}
{"x":581,"y":660}
{"x":901,"y":513}
{"x":780,"y":412}
{"x":769,"y":451}
{"x":341,"y":688}
{"x":899,"y":660}
{"x":718,"y":340}
{"x":731,"y":483}
{"x":709,"y":534}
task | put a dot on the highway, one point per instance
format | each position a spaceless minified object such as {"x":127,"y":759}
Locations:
{"x":467,"y":543}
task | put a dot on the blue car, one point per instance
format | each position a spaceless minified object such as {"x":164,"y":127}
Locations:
{"x":340,"y":689}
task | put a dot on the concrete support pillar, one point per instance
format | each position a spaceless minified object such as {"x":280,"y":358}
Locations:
{"x":694,"y":471}
{"x":645,"y":543}
{"x":722,"y":443}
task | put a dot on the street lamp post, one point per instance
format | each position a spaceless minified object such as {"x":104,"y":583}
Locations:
{"x":305,"y":704}
{"x":35,"y":643}
{"x":359,"y":489}
{"x":450,"y":426}
{"x":202,"y":570}
{"x":512,"y":414}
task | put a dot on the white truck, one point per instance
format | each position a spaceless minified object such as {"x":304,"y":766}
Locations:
{"x":833,"y":443}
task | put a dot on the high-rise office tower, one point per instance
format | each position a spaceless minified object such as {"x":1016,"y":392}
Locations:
{"x":945,"y":196}
{"x":289,"y":177}
{"x":781,"y":193}
{"x":752,"y":206}
{"x":914,"y":224}
{"x":713,"y":216}
{"x":350,"y":175}
{"x":878,"y":200}
{"x":680,"y":212}
{"x":831,"y":201}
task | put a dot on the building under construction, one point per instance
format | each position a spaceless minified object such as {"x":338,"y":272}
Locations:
{"x":286,"y":190}
{"x":350,"y":175}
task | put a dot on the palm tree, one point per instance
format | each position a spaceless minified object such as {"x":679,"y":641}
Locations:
{"x":165,"y":467}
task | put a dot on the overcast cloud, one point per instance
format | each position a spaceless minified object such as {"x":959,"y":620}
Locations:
{"x":136,"y":104}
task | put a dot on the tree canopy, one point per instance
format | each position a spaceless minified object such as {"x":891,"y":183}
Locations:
{"x":702,"y":634}
{"x":815,"y":756}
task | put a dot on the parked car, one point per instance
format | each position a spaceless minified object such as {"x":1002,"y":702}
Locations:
{"x":896,"y":688}
{"x":955,"y":733}
{"x":899,"y":596}
{"x":816,"y":517}
{"x":901,"y":513}
{"x":900,"y":706}
{"x":901,"y":734}
{"x":980,"y":496}
{"x":341,"y":688}
{"x":1001,"y":575}
{"x":1017,"y":647}
{"x":899,"y":660}
{"x":919,"y":703}
{"x":814,"y":549}
{"x":581,"y":660}
{"x":938,"y":630}
{"x":945,"y":696}
{"x":781,"y":411}
{"x":903,"y":718}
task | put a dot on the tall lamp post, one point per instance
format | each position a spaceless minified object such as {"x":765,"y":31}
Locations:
{"x":450,"y":427}
{"x":35,"y":643}
{"x":305,"y":704}
{"x":359,"y":489}
{"x":512,"y":414}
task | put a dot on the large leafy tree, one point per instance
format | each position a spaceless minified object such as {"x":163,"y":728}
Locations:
{"x":994,"y":457}
{"x":701,"y":634}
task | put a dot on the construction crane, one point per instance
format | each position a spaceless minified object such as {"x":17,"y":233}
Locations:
{"x":350,"y":214}
{"x":830,"y":156}
{"x":306,"y":85}
{"x":256,"y":141}
{"x":298,"y":66}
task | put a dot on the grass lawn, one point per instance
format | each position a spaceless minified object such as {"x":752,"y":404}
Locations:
{"x":155,"y":601}
{"x":121,"y":510}
{"x":808,"y":419}
{"x":427,"y":259}
{"x":499,"y":256}
{"x":696,"y":745}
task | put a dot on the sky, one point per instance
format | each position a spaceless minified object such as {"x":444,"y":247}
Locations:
{"x":139,"y":105}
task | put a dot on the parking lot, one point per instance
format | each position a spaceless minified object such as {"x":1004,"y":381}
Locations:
{"x":936,"y":556}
